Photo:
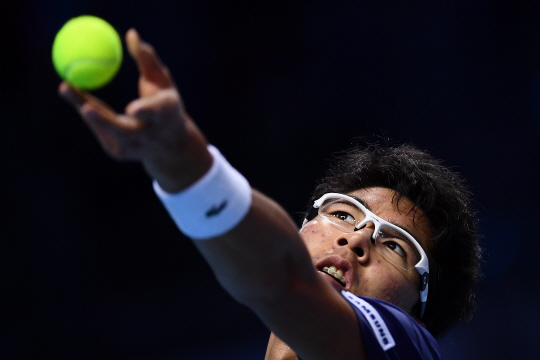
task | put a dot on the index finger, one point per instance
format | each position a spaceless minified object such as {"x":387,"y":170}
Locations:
{"x":148,"y":62}
{"x":92,"y":108}
{"x":82,"y":100}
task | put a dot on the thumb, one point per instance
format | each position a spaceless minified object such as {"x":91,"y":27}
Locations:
{"x":152,"y":70}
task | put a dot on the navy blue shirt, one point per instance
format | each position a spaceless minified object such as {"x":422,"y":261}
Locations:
{"x":389,"y":332}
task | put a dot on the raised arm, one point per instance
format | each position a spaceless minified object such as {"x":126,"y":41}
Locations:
{"x":262,"y":262}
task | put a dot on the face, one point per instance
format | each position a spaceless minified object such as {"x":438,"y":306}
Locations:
{"x":366,"y":271}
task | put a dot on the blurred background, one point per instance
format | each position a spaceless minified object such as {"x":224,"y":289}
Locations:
{"x":91,"y":265}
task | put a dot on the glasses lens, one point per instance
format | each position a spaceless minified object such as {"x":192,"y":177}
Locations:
{"x":341,"y":212}
{"x":395,"y":245}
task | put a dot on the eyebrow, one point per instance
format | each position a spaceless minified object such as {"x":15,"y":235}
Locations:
{"x":362,"y":202}
{"x":404,"y":229}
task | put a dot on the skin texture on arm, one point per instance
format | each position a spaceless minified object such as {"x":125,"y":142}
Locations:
{"x":263,"y":262}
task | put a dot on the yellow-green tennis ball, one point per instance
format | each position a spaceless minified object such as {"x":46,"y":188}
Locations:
{"x":87,"y":52}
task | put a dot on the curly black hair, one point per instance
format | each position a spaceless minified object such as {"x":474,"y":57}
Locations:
{"x":442,"y":196}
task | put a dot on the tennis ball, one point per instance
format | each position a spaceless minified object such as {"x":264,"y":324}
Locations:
{"x":87,"y":52}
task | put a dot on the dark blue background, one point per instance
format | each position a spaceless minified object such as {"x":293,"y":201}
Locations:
{"x":92,"y":267}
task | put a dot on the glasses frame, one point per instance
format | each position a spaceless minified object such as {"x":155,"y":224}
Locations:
{"x":422,"y":266}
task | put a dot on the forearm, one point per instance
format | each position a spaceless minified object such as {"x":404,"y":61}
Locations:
{"x":264,"y":264}
{"x":261,"y":258}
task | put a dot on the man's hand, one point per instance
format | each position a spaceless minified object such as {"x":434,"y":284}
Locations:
{"x":155,"y":128}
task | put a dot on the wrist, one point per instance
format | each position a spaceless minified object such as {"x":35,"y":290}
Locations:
{"x":177,"y":169}
{"x":213,"y":205}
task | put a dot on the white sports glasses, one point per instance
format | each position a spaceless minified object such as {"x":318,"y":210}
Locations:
{"x":394,"y":243}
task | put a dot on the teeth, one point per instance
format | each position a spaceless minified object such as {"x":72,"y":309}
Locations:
{"x":334,"y":272}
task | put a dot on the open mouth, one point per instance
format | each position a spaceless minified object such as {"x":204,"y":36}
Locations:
{"x":335,"y":273}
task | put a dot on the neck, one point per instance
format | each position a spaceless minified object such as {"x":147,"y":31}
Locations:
{"x":278,"y":350}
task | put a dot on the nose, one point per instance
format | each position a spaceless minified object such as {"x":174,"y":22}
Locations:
{"x":358,"y":241}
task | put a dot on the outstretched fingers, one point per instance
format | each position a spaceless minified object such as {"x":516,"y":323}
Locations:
{"x":86,"y":105}
{"x":113,"y":131}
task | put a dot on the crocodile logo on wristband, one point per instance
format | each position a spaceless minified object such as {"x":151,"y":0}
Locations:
{"x":211,"y":206}
{"x":215,"y":210}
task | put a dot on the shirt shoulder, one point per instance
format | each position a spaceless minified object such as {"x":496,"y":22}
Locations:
{"x":390,"y":333}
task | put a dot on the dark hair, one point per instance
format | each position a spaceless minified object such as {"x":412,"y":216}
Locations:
{"x":442,"y":196}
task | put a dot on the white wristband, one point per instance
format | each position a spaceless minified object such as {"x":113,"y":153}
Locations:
{"x":213,"y":205}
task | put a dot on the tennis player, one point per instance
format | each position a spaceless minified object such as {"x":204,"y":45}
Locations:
{"x":387,"y":256}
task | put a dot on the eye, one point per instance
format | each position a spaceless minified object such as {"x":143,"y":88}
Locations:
{"x":392,"y":243}
{"x":344,"y":216}
{"x":395,"y":247}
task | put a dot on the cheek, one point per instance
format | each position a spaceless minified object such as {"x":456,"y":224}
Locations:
{"x":316,"y":237}
{"x":380,"y":282}
{"x":388,"y":284}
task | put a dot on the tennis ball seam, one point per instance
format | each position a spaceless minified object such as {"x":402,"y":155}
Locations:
{"x":93,"y":61}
